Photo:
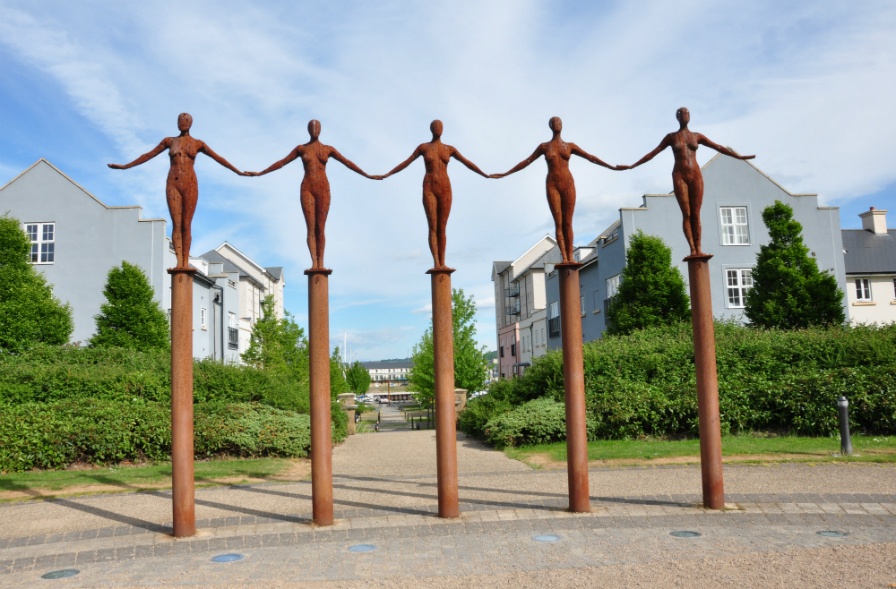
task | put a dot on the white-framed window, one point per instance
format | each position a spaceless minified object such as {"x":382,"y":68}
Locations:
{"x":203,"y":313}
{"x":735,"y":227}
{"x":613,"y":285}
{"x":863,"y":290}
{"x":43,"y":242}
{"x":738,"y":281}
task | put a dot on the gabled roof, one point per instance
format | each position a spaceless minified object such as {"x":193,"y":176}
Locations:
{"x":250,"y":262}
{"x":407,"y":363}
{"x":498,"y":267}
{"x":44,"y":162}
{"x":215,"y":257}
{"x":865,"y":252}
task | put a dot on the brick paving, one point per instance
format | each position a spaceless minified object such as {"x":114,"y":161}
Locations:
{"x":385,"y":497}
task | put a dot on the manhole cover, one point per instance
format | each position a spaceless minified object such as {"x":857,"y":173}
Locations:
{"x":546,"y":538}
{"x":833,"y":534}
{"x":227,"y":558}
{"x":685,"y":534}
{"x":362,"y":548}
{"x":63,"y":574}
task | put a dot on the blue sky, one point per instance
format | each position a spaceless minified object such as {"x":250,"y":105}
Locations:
{"x":806,"y":86}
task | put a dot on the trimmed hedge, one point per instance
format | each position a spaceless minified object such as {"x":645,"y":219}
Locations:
{"x":784,"y":381}
{"x":61,"y":405}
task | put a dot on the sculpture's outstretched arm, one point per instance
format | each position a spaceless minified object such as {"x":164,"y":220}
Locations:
{"x":334,"y":153}
{"x":591,"y":158}
{"x":417,"y":153}
{"x":663,"y":145}
{"x":279,"y":164}
{"x":456,"y":155}
{"x":211,"y":153}
{"x":539,"y":151}
{"x":165,"y":144}
{"x":703,"y":140}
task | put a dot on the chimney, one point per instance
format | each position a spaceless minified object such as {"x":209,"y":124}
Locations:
{"x":875,"y":221}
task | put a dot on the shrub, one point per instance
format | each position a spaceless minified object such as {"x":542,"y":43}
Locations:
{"x":537,"y":422}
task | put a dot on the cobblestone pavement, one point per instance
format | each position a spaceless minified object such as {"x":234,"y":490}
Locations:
{"x":815,"y":526}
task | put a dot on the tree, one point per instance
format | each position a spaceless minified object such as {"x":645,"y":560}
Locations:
{"x":29,"y":313}
{"x":470,"y":364}
{"x":358,"y":378}
{"x":789,"y":291}
{"x":338,"y":385}
{"x":278,"y":345}
{"x":651,"y":291}
{"x":130,"y":317}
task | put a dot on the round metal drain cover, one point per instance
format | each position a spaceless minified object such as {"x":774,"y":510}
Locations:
{"x":685,"y":534}
{"x":833,"y":534}
{"x":546,"y":538}
{"x":63,"y":574}
{"x":362,"y":548}
{"x":228,"y":557}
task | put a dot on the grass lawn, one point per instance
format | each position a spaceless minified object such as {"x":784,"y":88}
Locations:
{"x":110,"y":479}
{"x":734,"y":449}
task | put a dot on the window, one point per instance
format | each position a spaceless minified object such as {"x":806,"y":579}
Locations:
{"x":894,"y":288}
{"x":863,"y":289}
{"x":233,"y":334}
{"x":582,"y":305}
{"x":513,"y":349}
{"x":739,"y":281}
{"x":612,"y":286}
{"x":735,"y":229}
{"x":43,"y":242}
{"x":554,"y":319}
{"x":502,"y":351}
{"x":202,"y":318}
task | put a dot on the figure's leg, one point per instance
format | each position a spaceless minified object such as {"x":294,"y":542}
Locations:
{"x":322,"y":209}
{"x":307,"y":201}
{"x":444,"y":209}
{"x":557,"y":212}
{"x":568,"y":204}
{"x":695,"y":190}
{"x":683,"y":197}
{"x":431,"y":208}
{"x":190,"y":197}
{"x":175,"y":209}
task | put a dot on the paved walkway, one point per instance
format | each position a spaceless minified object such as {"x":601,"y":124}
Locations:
{"x":812,"y":526}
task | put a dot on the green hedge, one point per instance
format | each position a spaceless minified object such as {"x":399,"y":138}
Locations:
{"x":51,"y":373}
{"x":60,"y":433}
{"x":785,"y":381}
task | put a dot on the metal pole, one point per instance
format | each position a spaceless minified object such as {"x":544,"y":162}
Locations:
{"x":446,"y":419}
{"x":319,"y":375}
{"x":574,"y":387}
{"x":845,"y":441}
{"x":182,"y":473}
{"x":707,"y":382}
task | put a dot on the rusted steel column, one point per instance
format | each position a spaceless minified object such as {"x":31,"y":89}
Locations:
{"x":707,"y":382}
{"x":182,"y":480}
{"x":319,"y":369}
{"x":443,"y":368}
{"x":574,"y":387}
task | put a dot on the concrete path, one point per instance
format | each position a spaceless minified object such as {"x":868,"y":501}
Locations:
{"x":811,"y":526}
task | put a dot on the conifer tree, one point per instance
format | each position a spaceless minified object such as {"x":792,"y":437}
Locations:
{"x":651,"y":290}
{"x":130,"y":317}
{"x":789,"y":291}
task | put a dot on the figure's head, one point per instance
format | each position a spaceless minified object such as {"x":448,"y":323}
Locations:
{"x":314,"y":128}
{"x":683,"y":115}
{"x":555,"y":124}
{"x":184,"y":122}
{"x":436,"y":128}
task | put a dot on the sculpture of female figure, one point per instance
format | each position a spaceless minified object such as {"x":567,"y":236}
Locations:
{"x":315,"y":190}
{"x":182,"y":189}
{"x":561,"y":190}
{"x":687,"y":179}
{"x":436,"y":187}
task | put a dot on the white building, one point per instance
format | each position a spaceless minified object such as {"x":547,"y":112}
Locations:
{"x":870,"y":255}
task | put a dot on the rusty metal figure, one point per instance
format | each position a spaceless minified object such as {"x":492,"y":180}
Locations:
{"x":436,"y":187}
{"x":687,"y":179}
{"x":315,"y":190}
{"x":182,"y":189}
{"x":561,"y":189}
